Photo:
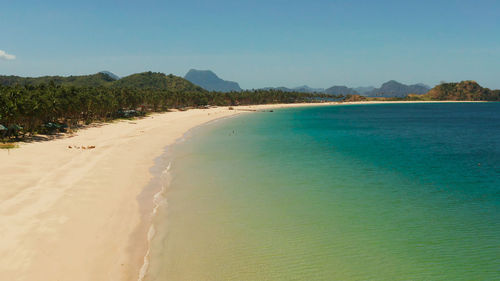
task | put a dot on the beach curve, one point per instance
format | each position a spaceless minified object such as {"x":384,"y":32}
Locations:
{"x":69,"y":213}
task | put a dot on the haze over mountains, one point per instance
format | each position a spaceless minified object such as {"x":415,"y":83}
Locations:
{"x":396,"y":89}
{"x":389,"y":89}
{"x":341,"y":90}
{"x":210,"y":81}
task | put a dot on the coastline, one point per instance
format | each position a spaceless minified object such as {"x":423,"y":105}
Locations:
{"x":68,"y":214}
{"x":72,"y":214}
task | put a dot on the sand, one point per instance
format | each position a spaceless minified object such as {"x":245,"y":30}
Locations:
{"x":73,"y":213}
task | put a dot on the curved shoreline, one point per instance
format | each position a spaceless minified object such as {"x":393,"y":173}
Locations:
{"x":71,"y":214}
{"x":161,"y":186}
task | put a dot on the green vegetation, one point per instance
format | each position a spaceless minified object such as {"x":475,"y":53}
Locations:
{"x":33,"y":106}
{"x":156,"y":81}
{"x":54,"y":104}
{"x":94,"y":80}
{"x":463,"y":91}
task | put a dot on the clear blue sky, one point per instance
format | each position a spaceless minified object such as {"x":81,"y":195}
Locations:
{"x":257,"y":43}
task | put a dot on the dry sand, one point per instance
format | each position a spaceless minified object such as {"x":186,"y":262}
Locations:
{"x":70,"y":214}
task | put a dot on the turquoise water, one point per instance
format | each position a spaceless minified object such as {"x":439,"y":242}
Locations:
{"x":355,"y":192}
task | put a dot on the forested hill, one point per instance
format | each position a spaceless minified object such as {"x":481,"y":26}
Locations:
{"x":52,"y":104}
{"x":145,"y":80}
{"x":157,"y":81}
{"x":463,"y":91}
{"x":93,"y":80}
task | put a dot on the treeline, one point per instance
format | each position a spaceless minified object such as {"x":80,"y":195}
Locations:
{"x":56,"y":103}
{"x":46,"y":107}
{"x":144,"y":80}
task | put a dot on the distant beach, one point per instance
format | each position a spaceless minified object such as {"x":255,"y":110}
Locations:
{"x":70,"y":207}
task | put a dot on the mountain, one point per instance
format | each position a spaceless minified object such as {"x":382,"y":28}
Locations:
{"x":157,"y":81}
{"x":465,"y":90}
{"x":111,"y":74}
{"x":341,"y":90}
{"x":388,"y":89}
{"x":210,"y":81}
{"x":395,"y":89}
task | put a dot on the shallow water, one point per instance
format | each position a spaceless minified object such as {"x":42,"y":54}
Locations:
{"x":355,"y":192}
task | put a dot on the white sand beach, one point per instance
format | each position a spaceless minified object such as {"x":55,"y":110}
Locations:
{"x":70,"y":213}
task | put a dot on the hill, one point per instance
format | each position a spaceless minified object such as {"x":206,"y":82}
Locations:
{"x":157,"y":81}
{"x":145,"y":80}
{"x":208,"y":80}
{"x":463,"y":91}
{"x":341,"y":90}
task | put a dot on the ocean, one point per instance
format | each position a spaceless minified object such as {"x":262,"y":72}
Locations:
{"x":351,"y":192}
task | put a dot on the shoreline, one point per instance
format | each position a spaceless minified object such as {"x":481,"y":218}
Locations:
{"x":74,"y":214}
{"x":156,"y":189}
{"x":69,"y":214}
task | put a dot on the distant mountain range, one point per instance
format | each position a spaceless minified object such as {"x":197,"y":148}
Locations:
{"x":465,"y":90}
{"x":209,"y":81}
{"x":388,"y":89}
{"x":341,"y":90}
{"x":300,"y":89}
{"x":396,"y":89}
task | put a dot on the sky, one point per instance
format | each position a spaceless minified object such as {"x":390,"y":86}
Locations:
{"x":257,"y":43}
